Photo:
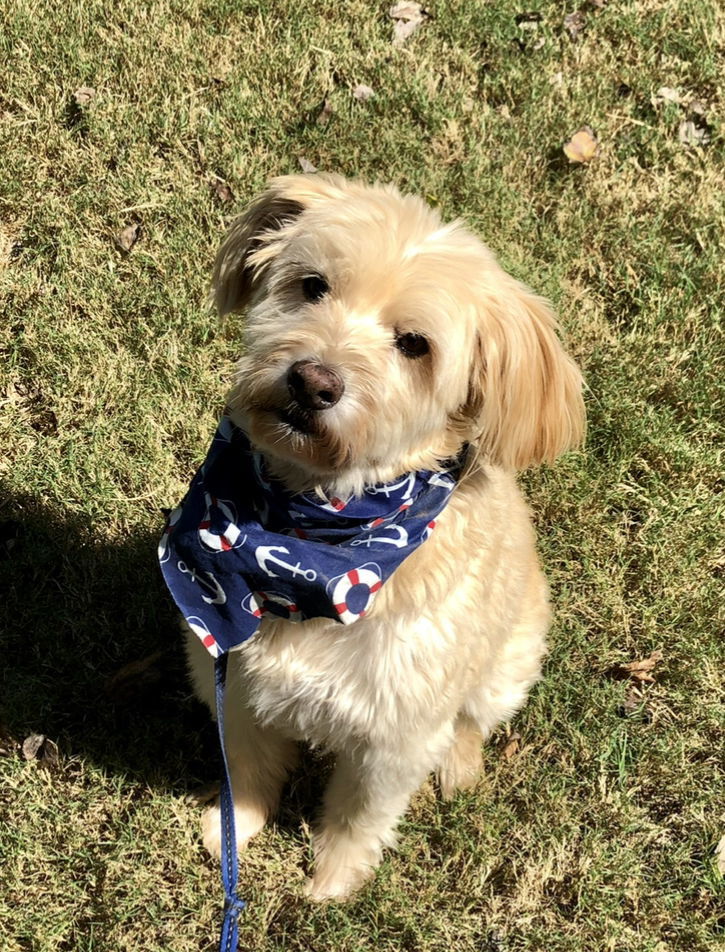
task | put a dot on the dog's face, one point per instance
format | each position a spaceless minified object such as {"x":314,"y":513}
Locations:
{"x":379,"y":340}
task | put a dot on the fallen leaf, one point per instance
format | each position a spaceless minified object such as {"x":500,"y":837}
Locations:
{"x":574,"y":24}
{"x":583,"y":145}
{"x":635,"y":703}
{"x":512,"y":746}
{"x":222,"y":191}
{"x":668,"y":94}
{"x":325,"y":113}
{"x":528,"y":21}
{"x":639,"y":670}
{"x":84,"y":95}
{"x":408,"y":18}
{"x":306,"y":166}
{"x":126,"y":239}
{"x":134,"y":677}
{"x":41,"y":748}
{"x":692,"y":133}
{"x":720,"y":856}
{"x":363,"y":92}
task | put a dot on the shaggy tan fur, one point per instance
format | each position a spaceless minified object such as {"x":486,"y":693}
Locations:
{"x":455,"y":638}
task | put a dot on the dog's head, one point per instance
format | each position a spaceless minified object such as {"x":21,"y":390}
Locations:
{"x":381,"y":340}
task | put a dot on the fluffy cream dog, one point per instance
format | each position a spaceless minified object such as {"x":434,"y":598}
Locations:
{"x":380,"y":340}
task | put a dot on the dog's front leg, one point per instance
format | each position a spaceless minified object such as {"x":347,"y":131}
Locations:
{"x":259,"y":762}
{"x":367,"y":794}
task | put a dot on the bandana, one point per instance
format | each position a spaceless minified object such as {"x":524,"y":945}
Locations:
{"x":241,"y":547}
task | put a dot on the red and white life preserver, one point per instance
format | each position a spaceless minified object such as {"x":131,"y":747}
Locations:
{"x":164,"y":553}
{"x":354,"y":592}
{"x":258,"y":604}
{"x":219,"y":541}
{"x":198,"y":626}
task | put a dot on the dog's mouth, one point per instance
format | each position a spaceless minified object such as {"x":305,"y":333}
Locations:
{"x":298,"y":419}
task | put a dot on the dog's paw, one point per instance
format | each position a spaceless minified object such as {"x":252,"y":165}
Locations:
{"x":337,"y":884}
{"x":342,"y":865}
{"x":462,"y":765}
{"x":248,"y":820}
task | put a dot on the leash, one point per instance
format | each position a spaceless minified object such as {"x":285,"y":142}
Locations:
{"x":233,"y":905}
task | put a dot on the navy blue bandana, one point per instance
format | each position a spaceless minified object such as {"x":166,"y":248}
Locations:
{"x":241,"y":546}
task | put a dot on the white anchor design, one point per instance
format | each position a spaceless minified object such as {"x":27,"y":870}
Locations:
{"x":442,"y":479}
{"x":400,"y":542}
{"x":218,"y":593}
{"x":264,"y":556}
{"x":390,"y":488}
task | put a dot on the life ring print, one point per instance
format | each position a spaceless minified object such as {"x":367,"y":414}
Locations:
{"x":218,"y":530}
{"x":354,"y":592}
{"x":271,"y":603}
{"x":198,"y":626}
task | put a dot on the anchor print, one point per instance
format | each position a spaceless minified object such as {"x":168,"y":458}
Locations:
{"x":406,"y":484}
{"x":265,"y":558}
{"x":217,"y":594}
{"x":442,"y":479}
{"x":399,"y":541}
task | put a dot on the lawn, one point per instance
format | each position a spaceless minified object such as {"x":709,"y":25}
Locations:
{"x":596,"y":825}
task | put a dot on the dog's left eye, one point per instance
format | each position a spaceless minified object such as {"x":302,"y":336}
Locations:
{"x":314,"y":287}
{"x":412,"y":345}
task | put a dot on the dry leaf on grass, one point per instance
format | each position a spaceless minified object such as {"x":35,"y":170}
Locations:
{"x":84,"y":95}
{"x":222,"y":191}
{"x":635,"y":703}
{"x":127,"y":238}
{"x":529,"y":23}
{"x":575,"y":23}
{"x":667,"y":94}
{"x":720,"y":856}
{"x":512,"y":746}
{"x":325,"y":113}
{"x":408,"y":18}
{"x":306,"y":166}
{"x":41,"y":748}
{"x":693,"y":133}
{"x":639,"y":670}
{"x":583,"y":145}
{"x":530,"y":20}
{"x":363,"y":92}
{"x":134,"y":677}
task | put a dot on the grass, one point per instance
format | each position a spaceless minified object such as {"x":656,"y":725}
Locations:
{"x":599,"y":832}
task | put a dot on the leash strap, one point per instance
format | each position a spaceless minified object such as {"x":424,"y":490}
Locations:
{"x":233,"y":905}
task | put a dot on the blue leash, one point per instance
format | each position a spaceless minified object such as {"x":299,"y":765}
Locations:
{"x":233,"y":905}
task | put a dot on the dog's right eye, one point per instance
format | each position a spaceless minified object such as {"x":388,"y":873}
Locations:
{"x":314,"y":287}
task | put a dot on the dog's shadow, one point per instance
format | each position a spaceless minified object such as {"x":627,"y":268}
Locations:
{"x":91,"y":656}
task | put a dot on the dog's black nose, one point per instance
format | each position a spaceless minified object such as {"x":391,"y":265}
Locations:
{"x":314,"y":386}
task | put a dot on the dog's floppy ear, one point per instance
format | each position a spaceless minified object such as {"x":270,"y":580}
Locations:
{"x":257,"y":234}
{"x":525,"y":393}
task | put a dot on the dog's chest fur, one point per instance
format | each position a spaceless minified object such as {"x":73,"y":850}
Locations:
{"x":411,"y":659}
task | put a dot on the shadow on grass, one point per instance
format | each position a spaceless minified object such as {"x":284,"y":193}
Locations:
{"x":74,"y":611}
{"x":77,"y":614}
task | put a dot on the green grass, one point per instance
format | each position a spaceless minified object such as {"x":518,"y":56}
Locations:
{"x":599,"y":833}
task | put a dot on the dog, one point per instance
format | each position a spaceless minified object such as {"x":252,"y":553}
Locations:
{"x":380,"y":341}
